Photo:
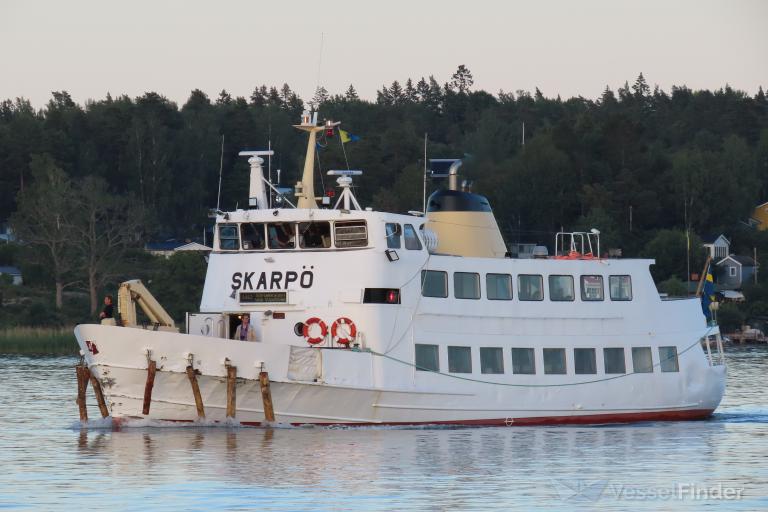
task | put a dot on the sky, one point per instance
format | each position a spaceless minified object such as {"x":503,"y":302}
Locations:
{"x":570,"y":48}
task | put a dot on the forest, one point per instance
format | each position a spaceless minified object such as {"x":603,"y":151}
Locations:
{"x":649,"y":168}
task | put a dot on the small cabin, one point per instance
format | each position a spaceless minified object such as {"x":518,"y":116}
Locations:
{"x":735,"y":271}
{"x":718,"y":247}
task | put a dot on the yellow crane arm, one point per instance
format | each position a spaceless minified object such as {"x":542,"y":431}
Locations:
{"x":134,"y":292}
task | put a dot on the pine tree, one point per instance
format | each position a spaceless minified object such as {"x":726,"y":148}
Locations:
{"x":383,"y":96}
{"x":396,"y":92}
{"x":410,"y":92}
{"x":760,"y":96}
{"x":351,"y":94}
{"x":320,"y":97}
{"x":608,"y":98}
{"x":285,"y":95}
{"x":641,"y":88}
{"x":224,"y":98}
{"x":259,"y":96}
{"x":461,"y":80}
{"x":538,"y":96}
{"x":422,"y":90}
{"x":273,"y":98}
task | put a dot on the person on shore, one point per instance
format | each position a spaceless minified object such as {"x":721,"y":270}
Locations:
{"x":107,"y":314}
{"x":245,"y":331}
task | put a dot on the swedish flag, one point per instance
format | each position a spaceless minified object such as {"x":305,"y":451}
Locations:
{"x":347,"y":137}
{"x":708,"y":293}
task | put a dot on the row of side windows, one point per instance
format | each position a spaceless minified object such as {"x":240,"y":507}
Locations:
{"x":524,"y":361}
{"x":466,"y":285}
{"x":258,"y":236}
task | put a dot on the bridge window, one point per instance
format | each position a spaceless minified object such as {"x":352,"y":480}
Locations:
{"x":668,"y":359}
{"x":642,"y":360}
{"x":466,"y":285}
{"x":620,"y":287}
{"x":459,"y":360}
{"x":584,"y":361}
{"x":393,"y":235}
{"x":314,"y":235}
{"x":491,"y":360}
{"x":229,"y":239}
{"x":530,"y":287}
{"x":253,"y":236}
{"x":554,"y":361}
{"x":427,"y":358}
{"x":281,"y":235}
{"x":591,"y":288}
{"x":352,"y":233}
{"x":613,"y":357}
{"x":561,"y":288}
{"x":412,"y":241}
{"x":434,"y":283}
{"x":498,"y":286}
{"x":523,"y":361}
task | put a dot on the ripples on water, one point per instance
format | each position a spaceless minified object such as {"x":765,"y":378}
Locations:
{"x":49,"y":463}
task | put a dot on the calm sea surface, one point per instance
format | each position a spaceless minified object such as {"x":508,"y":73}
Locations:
{"x":47,"y":462}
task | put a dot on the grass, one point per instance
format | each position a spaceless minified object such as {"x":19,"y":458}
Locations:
{"x":38,"y":341}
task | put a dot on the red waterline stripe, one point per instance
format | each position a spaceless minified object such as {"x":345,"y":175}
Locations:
{"x":586,"y":419}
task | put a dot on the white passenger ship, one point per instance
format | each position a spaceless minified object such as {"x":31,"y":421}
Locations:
{"x":367,"y":317}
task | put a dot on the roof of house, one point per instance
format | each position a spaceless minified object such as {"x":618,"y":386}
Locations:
{"x":193,"y":246}
{"x":712,"y":238}
{"x":10,"y":270}
{"x":744,"y":261}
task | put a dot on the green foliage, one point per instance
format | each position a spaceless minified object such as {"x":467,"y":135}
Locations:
{"x":730,"y":317}
{"x":674,"y":287}
{"x":669,"y":248}
{"x":178,"y":283}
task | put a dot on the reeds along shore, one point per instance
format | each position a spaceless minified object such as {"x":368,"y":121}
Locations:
{"x":38,"y":340}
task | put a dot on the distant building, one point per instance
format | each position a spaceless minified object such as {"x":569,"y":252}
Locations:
{"x":6,"y":234}
{"x":14,"y":273}
{"x":168,"y":248}
{"x":735,"y":271}
{"x":759,"y":217}
{"x":718,"y":246}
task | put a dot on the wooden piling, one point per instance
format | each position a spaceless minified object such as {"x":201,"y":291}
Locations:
{"x":99,"y":394}
{"x":231,"y":391}
{"x":196,"y":391}
{"x":266,"y":397}
{"x":151,"y":370}
{"x":82,"y":385}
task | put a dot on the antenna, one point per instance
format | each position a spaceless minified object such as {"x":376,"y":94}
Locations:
{"x":221,"y":168}
{"x":424,"y":204}
{"x":269,"y":162}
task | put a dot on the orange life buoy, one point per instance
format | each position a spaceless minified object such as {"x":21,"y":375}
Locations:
{"x":314,"y":340}
{"x":343,"y":338}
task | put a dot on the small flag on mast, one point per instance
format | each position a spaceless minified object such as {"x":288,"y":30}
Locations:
{"x":347,"y":137}
{"x":708,"y":293}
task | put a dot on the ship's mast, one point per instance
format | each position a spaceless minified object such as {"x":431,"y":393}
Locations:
{"x":305,"y":189}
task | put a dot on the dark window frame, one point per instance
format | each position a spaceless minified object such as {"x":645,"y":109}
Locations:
{"x":573,"y":288}
{"x":302,"y":238}
{"x":623,"y":361}
{"x":584,"y":297}
{"x":520,"y":295}
{"x":635,"y":365}
{"x":394,"y":239}
{"x":610,"y":288}
{"x":423,"y":367}
{"x":455,"y":349}
{"x":488,"y":287}
{"x":553,"y":350}
{"x":576,"y":359}
{"x":477,"y":283}
{"x":497,"y":351}
{"x":234,"y":226}
{"x":408,"y":240}
{"x":664,"y":361}
{"x":423,"y":279}
{"x":528,"y":350}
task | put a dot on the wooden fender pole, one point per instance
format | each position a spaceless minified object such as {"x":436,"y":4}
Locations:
{"x":231,"y":391}
{"x":99,"y":394}
{"x":266,"y":397}
{"x":196,"y":391}
{"x":82,"y":385}
{"x":151,"y":370}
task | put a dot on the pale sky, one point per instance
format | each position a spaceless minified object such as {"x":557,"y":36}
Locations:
{"x":563,"y":47}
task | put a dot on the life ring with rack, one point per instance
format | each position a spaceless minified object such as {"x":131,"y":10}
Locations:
{"x":314,"y":340}
{"x":343,"y":338}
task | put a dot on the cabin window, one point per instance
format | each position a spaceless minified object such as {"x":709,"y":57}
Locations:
{"x":591,"y":288}
{"x":351,"y":234}
{"x":253,"y":236}
{"x":412,"y":241}
{"x":613,"y":357}
{"x":554,"y":361}
{"x":434,"y":283}
{"x":621,"y":287}
{"x":561,"y":288}
{"x":668,"y":359}
{"x":229,"y":240}
{"x":466,"y":285}
{"x":498,"y":286}
{"x":642,"y":360}
{"x":393,"y":235}
{"x":459,"y":360}
{"x":491,"y":360}
{"x":427,"y":358}
{"x":530,"y":287}
{"x":314,"y":235}
{"x":281,"y":235}
{"x":523,"y":361}
{"x":584,"y":361}
{"x":732,"y":271}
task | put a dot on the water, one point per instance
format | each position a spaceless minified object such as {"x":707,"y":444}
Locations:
{"x":48,"y":462}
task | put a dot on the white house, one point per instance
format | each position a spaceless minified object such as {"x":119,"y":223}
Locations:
{"x":718,"y":248}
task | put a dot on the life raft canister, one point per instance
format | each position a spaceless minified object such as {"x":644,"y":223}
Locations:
{"x":323,"y":330}
{"x":343,"y":336}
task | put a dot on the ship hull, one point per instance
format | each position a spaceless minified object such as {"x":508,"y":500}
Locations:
{"x":345,"y":395}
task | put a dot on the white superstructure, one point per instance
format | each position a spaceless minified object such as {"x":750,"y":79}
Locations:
{"x":361,"y":319}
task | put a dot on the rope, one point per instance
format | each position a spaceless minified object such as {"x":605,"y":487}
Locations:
{"x":505,"y":384}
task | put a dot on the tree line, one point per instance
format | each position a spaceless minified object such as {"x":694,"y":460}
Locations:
{"x":641,"y":164}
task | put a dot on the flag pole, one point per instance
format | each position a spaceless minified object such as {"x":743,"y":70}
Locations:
{"x":704,"y":275}
{"x":424,"y":201}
